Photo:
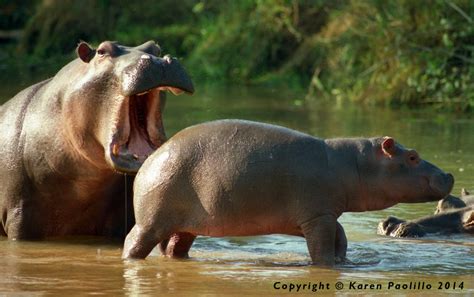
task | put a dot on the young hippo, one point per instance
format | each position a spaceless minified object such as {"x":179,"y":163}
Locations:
{"x":241,"y":178}
{"x":452,"y":215}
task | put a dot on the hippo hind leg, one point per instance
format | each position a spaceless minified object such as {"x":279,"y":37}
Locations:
{"x":178,"y":245}
{"x":139,"y":243}
{"x":2,"y":231}
{"x":341,"y":244}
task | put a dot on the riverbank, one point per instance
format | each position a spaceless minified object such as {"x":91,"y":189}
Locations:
{"x":395,"y":53}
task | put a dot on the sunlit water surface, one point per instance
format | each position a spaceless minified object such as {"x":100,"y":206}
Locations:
{"x":267,"y":265}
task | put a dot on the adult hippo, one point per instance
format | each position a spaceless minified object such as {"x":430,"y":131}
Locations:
{"x":64,"y":141}
{"x":452,"y":215}
{"x":240,"y":178}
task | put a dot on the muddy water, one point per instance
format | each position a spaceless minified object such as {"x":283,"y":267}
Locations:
{"x":272,"y":265}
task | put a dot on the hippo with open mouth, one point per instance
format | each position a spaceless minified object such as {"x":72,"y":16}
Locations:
{"x":67,"y":141}
{"x":241,"y":178}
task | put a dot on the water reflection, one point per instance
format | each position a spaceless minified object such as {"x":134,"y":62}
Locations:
{"x":210,"y":278}
{"x":61,"y":267}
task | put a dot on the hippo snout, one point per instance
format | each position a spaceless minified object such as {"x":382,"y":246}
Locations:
{"x":388,"y":225}
{"x":442,"y":183}
{"x":396,"y":227}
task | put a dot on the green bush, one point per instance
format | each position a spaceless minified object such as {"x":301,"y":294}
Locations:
{"x":403,"y":52}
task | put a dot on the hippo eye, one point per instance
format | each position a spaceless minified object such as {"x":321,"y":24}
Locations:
{"x":413,"y":158}
{"x":101,"y":52}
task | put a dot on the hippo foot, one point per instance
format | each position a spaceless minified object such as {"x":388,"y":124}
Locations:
{"x":343,"y":261}
{"x":177,"y":246}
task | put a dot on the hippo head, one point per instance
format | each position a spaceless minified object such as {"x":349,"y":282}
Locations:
{"x":398,"y":175}
{"x":395,"y":227}
{"x":449,"y":203}
{"x":117,"y":100}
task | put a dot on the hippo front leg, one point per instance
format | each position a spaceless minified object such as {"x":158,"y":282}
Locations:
{"x":320,"y":234}
{"x":22,"y":223}
{"x":341,"y":243}
{"x":139,"y":243}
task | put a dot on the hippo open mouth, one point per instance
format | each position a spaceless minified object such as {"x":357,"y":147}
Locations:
{"x":139,"y":131}
{"x":140,"y":143}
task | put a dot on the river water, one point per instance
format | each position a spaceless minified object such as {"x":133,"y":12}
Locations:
{"x":274,"y":264}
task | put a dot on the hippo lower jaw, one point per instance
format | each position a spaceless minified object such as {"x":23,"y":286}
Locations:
{"x":137,"y":132}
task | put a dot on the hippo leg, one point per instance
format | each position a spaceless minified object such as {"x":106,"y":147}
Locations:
{"x":178,"y":245}
{"x":341,"y":244}
{"x":20,"y":224}
{"x":2,"y":231}
{"x":139,"y":243}
{"x":320,"y":234}
{"x":163,"y":245}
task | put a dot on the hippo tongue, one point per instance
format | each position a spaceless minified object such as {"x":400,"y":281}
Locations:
{"x":139,"y":143}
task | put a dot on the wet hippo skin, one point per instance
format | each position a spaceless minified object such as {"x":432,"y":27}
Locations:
{"x":453,"y":215}
{"x":66,"y":141}
{"x":241,"y":178}
{"x":452,"y":202}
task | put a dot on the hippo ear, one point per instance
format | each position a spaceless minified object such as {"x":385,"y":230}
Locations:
{"x":85,"y":52}
{"x":388,"y":146}
{"x":150,"y":47}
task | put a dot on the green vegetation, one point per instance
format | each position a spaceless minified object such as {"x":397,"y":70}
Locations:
{"x":403,"y":52}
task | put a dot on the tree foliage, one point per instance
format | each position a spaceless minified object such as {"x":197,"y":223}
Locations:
{"x":372,"y":51}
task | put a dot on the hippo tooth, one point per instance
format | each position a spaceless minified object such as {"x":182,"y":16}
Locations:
{"x":135,"y":156}
{"x":144,"y":56}
{"x":115,"y":149}
{"x":143,"y":93}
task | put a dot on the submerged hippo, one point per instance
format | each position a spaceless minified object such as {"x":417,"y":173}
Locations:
{"x":452,"y":215}
{"x":452,"y":202}
{"x":240,"y":178}
{"x":64,"y":141}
